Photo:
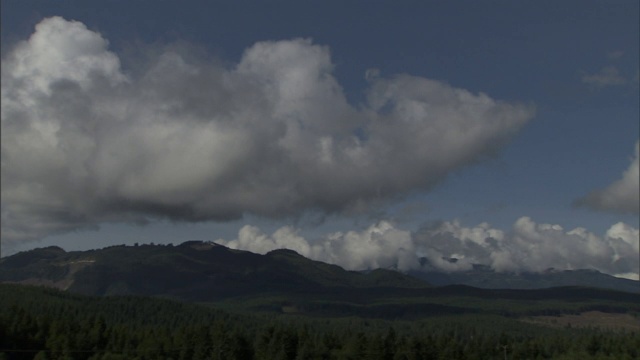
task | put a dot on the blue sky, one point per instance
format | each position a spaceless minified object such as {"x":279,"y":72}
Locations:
{"x":562,"y":74}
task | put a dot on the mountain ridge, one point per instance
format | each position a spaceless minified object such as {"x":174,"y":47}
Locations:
{"x":193,"y":270}
{"x":482,"y":276}
{"x":202,"y":271}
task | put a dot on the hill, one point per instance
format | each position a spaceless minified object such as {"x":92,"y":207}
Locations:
{"x":40,"y":323}
{"x":283,"y":281}
{"x":484,"y":277}
{"x":194,"y":270}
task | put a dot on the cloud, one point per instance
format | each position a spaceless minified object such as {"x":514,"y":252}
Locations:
{"x":607,"y":76}
{"x":379,"y":246}
{"x":621,"y":196}
{"x":527,"y":246}
{"x":184,"y":138}
{"x":615,"y":55}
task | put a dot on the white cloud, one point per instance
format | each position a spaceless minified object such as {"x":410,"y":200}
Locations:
{"x":62,"y":50}
{"x":528,"y":246}
{"x":607,"y":76}
{"x":252,"y":239}
{"x":379,"y":246}
{"x":622,"y":196}
{"x":189,"y":139}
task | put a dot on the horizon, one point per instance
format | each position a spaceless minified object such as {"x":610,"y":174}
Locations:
{"x":362,"y":135}
{"x":406,"y":272}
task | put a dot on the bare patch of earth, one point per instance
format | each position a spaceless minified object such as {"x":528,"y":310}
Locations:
{"x":62,"y":284}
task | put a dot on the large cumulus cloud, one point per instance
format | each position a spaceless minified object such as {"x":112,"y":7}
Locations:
{"x":450,"y":246}
{"x":622,"y":196}
{"x":85,"y":141}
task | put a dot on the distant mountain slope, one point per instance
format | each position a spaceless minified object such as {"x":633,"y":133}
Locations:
{"x":207,"y":272}
{"x":283,"y":281}
{"x":486,"y":278}
{"x":194,"y":270}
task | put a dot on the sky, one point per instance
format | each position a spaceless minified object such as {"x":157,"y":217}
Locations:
{"x":363,"y":133}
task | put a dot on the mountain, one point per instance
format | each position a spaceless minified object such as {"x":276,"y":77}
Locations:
{"x":197,"y":270}
{"x":283,"y":281}
{"x":194,"y":270}
{"x":484,"y":277}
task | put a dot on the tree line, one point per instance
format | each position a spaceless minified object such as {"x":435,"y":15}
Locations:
{"x":41,"y":324}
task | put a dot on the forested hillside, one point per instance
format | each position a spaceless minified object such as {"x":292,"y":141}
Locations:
{"x":193,"y":271}
{"x":50,"y":324}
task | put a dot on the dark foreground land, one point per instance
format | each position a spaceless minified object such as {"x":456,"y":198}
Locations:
{"x":200,"y":300}
{"x":44,"y":323}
